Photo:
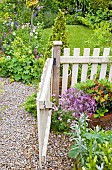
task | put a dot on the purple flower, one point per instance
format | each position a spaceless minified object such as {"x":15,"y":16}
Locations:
{"x":59,"y":118}
{"x":73,"y":114}
{"x":5,"y":34}
{"x":37,"y":57}
{"x":68,"y":120}
{"x":10,"y":30}
{"x":35,"y":51}
{"x":75,"y":100}
{"x":16,"y":23}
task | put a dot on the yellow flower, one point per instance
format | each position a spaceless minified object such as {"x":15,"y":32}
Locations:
{"x":30,"y":3}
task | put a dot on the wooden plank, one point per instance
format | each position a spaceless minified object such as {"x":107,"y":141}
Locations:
{"x":65,"y":72}
{"x":39,"y":134}
{"x":83,"y":59}
{"x":75,"y":68}
{"x":110,"y":74}
{"x":85,"y":66}
{"x":45,"y":104}
{"x":104,"y":66}
{"x":46,"y":81}
{"x":46,"y":137}
{"x":56,"y":68}
{"x":96,"y":52}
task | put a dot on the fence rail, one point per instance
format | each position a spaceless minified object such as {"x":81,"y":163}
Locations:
{"x":50,"y":82}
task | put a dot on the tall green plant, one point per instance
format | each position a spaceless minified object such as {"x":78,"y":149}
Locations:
{"x":58,"y":33}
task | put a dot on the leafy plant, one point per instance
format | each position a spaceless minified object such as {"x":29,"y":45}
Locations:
{"x":21,"y":63}
{"x":101,"y":91}
{"x":58,"y":33}
{"x":86,"y":148}
{"x":30,"y":104}
{"x":71,"y":105}
{"x":78,"y":102}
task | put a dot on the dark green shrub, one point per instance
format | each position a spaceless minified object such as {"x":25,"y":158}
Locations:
{"x":99,"y":4}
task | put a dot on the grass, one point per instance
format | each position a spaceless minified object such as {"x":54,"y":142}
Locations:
{"x":78,"y":36}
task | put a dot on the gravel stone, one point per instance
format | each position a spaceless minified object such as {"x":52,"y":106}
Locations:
{"x":18,"y":134}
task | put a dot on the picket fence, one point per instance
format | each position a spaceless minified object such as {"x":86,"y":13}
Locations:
{"x":50,"y":83}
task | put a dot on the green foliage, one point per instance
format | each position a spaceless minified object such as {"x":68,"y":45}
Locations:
{"x":101,"y":91}
{"x":30,"y":105}
{"x":102,"y":160}
{"x":20,"y":63}
{"x":90,"y":148}
{"x":91,"y":19}
{"x":103,"y":35}
{"x":58,"y":33}
{"x":98,"y":4}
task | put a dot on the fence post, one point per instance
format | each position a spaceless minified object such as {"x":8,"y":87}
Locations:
{"x":56,"y":68}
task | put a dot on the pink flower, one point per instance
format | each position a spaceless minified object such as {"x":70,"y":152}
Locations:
{"x":59,"y":118}
{"x":68,"y":120}
{"x":73,"y":115}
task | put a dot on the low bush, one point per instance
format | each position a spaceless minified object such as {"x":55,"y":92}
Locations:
{"x":30,"y":104}
{"x":20,"y":63}
{"x":91,"y":149}
{"x":101,"y":91}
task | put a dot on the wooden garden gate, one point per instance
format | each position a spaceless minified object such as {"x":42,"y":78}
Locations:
{"x":50,"y":82}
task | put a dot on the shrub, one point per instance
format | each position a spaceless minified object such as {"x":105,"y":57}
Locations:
{"x":101,"y":91}
{"x":58,"y":33}
{"x":72,"y":104}
{"x":20,"y":63}
{"x":91,"y":149}
{"x":99,"y":4}
{"x":30,"y":104}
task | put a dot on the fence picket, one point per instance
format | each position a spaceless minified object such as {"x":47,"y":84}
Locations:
{"x":75,"y":68}
{"x":96,"y":52}
{"x":110,"y":74}
{"x":65,"y":71}
{"x":104,"y":66}
{"x":85,"y":66}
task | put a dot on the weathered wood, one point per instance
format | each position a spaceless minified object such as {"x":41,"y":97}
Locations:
{"x":65,"y":72}
{"x":104,"y":66}
{"x":43,"y":106}
{"x":46,"y":81}
{"x":83,"y":59}
{"x":96,"y":52}
{"x":56,"y":68}
{"x":110,"y":74}
{"x":46,"y":137}
{"x":85,"y":66}
{"x":75,"y":68}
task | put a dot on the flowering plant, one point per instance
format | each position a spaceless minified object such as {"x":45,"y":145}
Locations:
{"x":78,"y":102}
{"x":72,"y":104}
{"x":101,"y":91}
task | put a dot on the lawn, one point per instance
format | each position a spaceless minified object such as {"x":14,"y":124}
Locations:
{"x":78,"y":36}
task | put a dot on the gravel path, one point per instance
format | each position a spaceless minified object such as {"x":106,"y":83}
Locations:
{"x":19,"y":138}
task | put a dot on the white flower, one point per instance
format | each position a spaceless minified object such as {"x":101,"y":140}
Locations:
{"x":31,"y":34}
{"x":14,"y":33}
{"x":36,"y":33}
{"x":12,"y":23}
{"x":22,"y":26}
{"x":35,"y":37}
{"x":8,"y":57}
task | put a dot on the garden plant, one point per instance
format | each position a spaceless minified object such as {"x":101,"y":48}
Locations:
{"x":27,"y":29}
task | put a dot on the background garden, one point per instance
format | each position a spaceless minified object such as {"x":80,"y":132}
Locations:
{"x":27,"y":29}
